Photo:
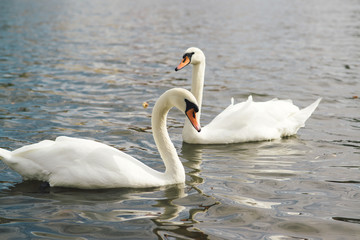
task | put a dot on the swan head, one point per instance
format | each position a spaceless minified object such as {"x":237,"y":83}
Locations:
{"x":185,"y":101}
{"x":190,"y":112}
{"x":192,"y":55}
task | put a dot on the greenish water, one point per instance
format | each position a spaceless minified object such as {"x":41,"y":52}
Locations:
{"x":83,"y":69}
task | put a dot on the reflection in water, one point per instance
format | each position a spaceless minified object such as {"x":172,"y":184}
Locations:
{"x":112,"y":212}
{"x":84,"y":69}
{"x":182,"y":224}
{"x":244,"y":182}
{"x":193,"y":155}
{"x":272,"y":159}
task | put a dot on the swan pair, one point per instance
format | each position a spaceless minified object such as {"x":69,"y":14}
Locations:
{"x":87,"y":164}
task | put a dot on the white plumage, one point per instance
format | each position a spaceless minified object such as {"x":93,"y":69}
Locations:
{"x":242,"y":122}
{"x":87,"y":164}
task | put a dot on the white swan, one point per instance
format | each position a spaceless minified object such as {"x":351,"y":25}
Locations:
{"x":241,"y":122}
{"x":80,"y":163}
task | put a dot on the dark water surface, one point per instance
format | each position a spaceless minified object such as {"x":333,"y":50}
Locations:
{"x":84,"y":68}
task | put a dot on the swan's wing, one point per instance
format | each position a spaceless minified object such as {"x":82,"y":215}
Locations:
{"x":255,"y":121}
{"x":64,"y":151}
{"x":305,"y":113}
{"x":253,"y":114}
{"x":81,"y":163}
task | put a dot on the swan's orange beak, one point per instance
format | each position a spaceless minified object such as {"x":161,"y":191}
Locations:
{"x":191,"y":114}
{"x":184,"y":62}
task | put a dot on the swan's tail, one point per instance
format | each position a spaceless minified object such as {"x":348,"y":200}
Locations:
{"x":305,"y":113}
{"x":4,"y":154}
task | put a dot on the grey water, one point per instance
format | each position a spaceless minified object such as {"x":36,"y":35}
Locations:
{"x":84,"y":68}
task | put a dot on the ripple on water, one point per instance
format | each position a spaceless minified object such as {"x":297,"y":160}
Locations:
{"x":84,"y":70}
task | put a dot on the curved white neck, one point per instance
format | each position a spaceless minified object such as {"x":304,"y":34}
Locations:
{"x":174,"y":169}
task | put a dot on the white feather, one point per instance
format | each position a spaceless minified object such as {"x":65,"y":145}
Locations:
{"x":81,"y":163}
{"x":245,"y":121}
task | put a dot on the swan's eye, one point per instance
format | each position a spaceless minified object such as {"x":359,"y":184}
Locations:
{"x":186,"y":60}
{"x":188,"y":55}
{"x":191,"y":106}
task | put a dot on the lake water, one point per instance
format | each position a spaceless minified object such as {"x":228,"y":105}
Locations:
{"x":84,"y":68}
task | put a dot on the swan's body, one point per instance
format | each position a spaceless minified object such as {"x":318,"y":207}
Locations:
{"x":80,"y":163}
{"x":242,"y":122}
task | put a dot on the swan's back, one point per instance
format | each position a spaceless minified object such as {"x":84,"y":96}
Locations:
{"x":80,"y":163}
